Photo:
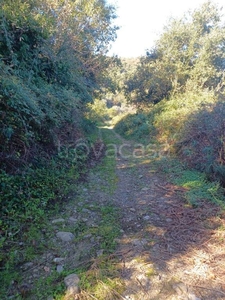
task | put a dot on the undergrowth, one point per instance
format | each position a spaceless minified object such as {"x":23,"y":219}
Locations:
{"x":137,"y":127}
{"x":198,"y":187}
{"x":28,"y":199}
{"x":99,"y":275}
{"x":190,"y":123}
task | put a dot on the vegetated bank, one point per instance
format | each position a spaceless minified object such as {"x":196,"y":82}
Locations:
{"x":178,"y":88}
{"x":52,"y":61}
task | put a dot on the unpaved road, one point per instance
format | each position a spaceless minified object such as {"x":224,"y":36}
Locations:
{"x":170,"y":250}
{"x":167,"y":249}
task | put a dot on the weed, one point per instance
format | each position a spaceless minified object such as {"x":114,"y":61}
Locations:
{"x":150,"y":272}
{"x":53,"y":286}
{"x":198,"y":186}
{"x":136,"y":127}
{"x":101,"y":280}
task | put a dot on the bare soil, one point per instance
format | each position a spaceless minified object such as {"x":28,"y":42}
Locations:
{"x":169,"y":250}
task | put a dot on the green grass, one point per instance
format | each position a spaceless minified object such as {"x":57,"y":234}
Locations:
{"x":102,"y":280}
{"x":137,"y":127}
{"x":28,"y":200}
{"x":99,"y":277}
{"x":106,"y":168}
{"x":198,"y":186}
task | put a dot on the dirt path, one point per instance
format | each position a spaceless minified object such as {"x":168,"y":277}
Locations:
{"x":166,"y":250}
{"x":169,"y":250}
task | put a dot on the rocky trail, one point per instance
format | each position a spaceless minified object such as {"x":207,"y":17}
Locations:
{"x":165,"y":248}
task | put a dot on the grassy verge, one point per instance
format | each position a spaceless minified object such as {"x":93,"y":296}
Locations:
{"x":27,"y":201}
{"x":198,"y":187}
{"x":101,"y":279}
{"x":99,"y":272}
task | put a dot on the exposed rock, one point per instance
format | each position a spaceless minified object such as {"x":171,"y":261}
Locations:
{"x":72,"y":284}
{"x":65,"y":236}
{"x":27,"y":265}
{"x":100,"y":252}
{"x":59,"y":268}
{"x":72,"y":220}
{"x":56,"y":221}
{"x":58,"y":260}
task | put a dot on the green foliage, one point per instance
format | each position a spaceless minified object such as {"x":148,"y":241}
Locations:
{"x":198,"y":187}
{"x":188,"y":56}
{"x":171,"y":116}
{"x":52,"y":60}
{"x":26,"y":200}
{"x":48,"y":73}
{"x":183,"y":76}
{"x":53,"y":286}
{"x":109,"y":227}
{"x":97,"y":111}
{"x":136,"y":126}
{"x":203,"y":144}
{"x":25,"y":196}
{"x":148,"y":84}
{"x":45,"y":82}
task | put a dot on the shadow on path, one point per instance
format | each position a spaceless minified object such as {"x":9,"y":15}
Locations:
{"x":169,"y":250}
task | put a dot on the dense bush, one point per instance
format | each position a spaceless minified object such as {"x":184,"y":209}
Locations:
{"x":50,"y":69}
{"x":191,"y":123}
{"x":26,"y":196}
{"x":189,"y":53}
{"x":170,"y":116}
{"x":52,"y":61}
{"x":136,"y":126}
{"x":203,"y":142}
{"x":97,"y":111}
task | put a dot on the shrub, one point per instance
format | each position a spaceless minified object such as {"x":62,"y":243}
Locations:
{"x":203,"y":142}
{"x":97,"y":111}
{"x":170,"y":116}
{"x":136,"y":126}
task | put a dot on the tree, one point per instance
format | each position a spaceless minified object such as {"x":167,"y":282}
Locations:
{"x":189,"y":54}
{"x":52,"y":57}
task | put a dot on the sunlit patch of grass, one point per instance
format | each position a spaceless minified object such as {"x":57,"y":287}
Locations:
{"x":102,"y":280}
{"x":108,"y":164}
{"x":196,"y":183}
{"x":150,"y":272}
{"x":199,"y":188}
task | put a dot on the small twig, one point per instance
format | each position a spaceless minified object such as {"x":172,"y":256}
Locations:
{"x":114,"y":291}
{"x":120,"y":296}
{"x":174,"y":188}
{"x":209,"y":289}
{"x":122,"y":252}
{"x":83,"y":292}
